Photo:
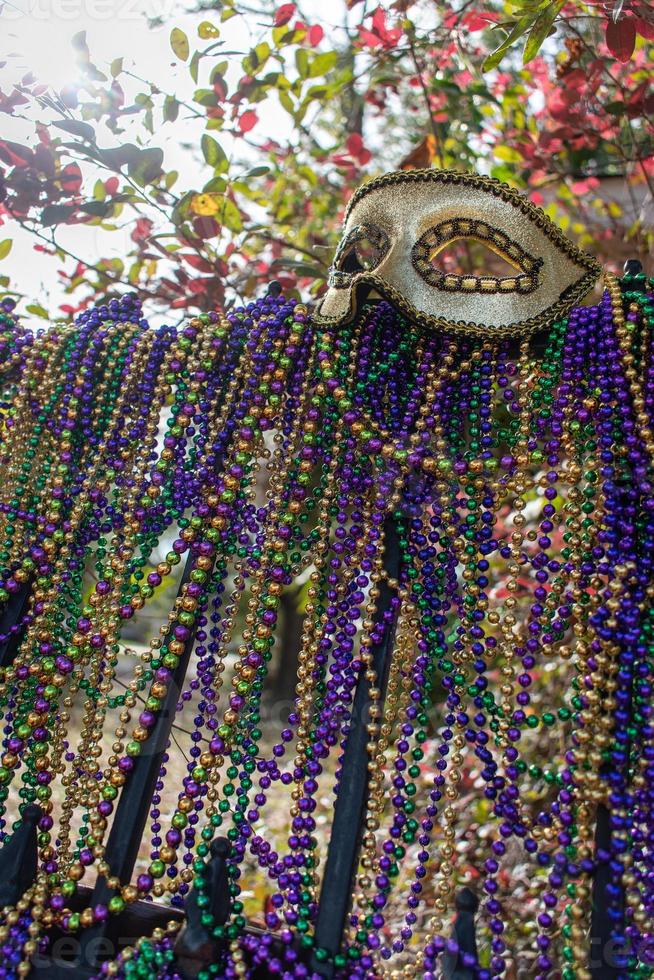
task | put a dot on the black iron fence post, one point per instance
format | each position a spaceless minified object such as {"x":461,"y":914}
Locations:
{"x":602,"y":965}
{"x":349,"y":811}
{"x":136,"y":795}
{"x":14,"y":612}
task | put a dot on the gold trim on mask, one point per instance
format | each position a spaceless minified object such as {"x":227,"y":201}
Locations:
{"x":409,"y":217}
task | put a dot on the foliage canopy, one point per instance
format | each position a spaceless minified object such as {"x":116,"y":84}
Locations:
{"x":556,"y":98}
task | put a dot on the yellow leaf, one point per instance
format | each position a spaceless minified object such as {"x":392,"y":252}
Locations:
{"x":507,"y":154}
{"x":207,"y":30}
{"x":5,"y":247}
{"x":179,"y":43}
{"x":205,"y":204}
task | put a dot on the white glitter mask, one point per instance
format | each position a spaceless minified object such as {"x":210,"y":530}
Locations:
{"x":397,"y":225}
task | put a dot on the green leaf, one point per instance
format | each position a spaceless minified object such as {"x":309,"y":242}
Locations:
{"x":205,"y":96}
{"x":146,"y":167}
{"x":217,"y":185}
{"x":502,"y":172}
{"x":286,"y":102}
{"x":194,"y":65}
{"x":214,"y":154}
{"x":56,"y":214}
{"x":322,"y":63}
{"x":99,"y":192}
{"x":302,"y":62}
{"x":218,"y":71}
{"x":301,"y":112}
{"x":116,"y":67}
{"x":256,"y":59}
{"x":77,"y":128}
{"x":615,"y":108}
{"x":257,"y":172}
{"x":281,"y":35}
{"x":308,"y":174}
{"x":207,"y":30}
{"x":179,"y":43}
{"x":317,"y":92}
{"x":99,"y":209}
{"x":508,"y":154}
{"x":230,"y":216}
{"x":170,"y":108}
{"x":116,"y":157}
{"x":519,"y":28}
{"x":37,"y":310}
{"x":262,"y":52}
{"x":5,"y":248}
{"x":541,"y":28}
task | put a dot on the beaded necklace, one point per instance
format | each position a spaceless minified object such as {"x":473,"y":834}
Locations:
{"x":520,"y":485}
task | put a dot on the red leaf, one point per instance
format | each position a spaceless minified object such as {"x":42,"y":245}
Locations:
{"x":111,"y":185}
{"x":284,"y":14}
{"x":354,"y":144}
{"x":379,"y":21}
{"x":196,"y":261}
{"x":71,"y":178}
{"x":645,"y":28}
{"x":380,"y":34}
{"x":637,"y":96}
{"x":141,"y":230}
{"x":356,"y":148}
{"x":248,"y":121}
{"x":15,"y":154}
{"x":205,"y":227}
{"x":621,"y":38}
{"x":220,"y":87}
{"x":477,"y":21}
{"x":368,"y":38}
{"x":316,"y":35}
{"x":9,"y":102}
{"x":197,"y":286}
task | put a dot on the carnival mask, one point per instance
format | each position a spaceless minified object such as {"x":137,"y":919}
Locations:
{"x":397,"y":227}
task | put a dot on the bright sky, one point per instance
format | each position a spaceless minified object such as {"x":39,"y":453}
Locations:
{"x":35,"y":35}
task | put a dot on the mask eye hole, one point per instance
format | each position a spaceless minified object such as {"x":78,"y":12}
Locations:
{"x":362,"y":250}
{"x":471,"y":256}
{"x":464,"y":255}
